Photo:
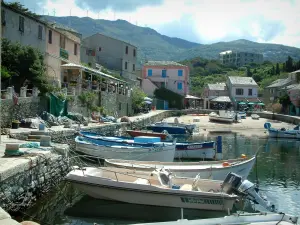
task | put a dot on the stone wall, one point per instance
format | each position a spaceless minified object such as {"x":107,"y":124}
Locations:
{"x":20,"y":186}
{"x":26,"y":107}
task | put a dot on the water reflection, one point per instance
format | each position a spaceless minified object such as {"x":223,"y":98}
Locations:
{"x":277,"y":171}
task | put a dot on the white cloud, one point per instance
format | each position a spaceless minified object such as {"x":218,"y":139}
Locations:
{"x":273,"y":21}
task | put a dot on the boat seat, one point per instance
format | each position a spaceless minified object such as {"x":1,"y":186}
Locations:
{"x":142,"y":181}
{"x":186,"y":187}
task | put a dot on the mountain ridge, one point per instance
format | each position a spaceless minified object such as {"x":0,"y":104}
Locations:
{"x":155,"y":46}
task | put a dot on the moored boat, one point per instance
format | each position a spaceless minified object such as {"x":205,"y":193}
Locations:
{"x":171,"y":128}
{"x":164,"y":152}
{"x":216,"y":170}
{"x":184,"y":150}
{"x":160,"y":188}
{"x":136,"y":133}
{"x":225,"y":117}
{"x":283,"y":132}
{"x":255,"y":116}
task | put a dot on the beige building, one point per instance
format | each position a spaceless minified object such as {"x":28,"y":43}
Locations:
{"x":239,"y":58}
{"x":116,"y":55}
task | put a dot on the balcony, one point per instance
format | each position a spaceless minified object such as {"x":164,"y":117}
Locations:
{"x":64,"y":53}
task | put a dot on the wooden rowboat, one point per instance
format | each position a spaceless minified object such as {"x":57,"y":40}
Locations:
{"x":136,"y":133}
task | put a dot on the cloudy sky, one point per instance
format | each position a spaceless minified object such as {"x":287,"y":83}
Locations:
{"x":202,"y":21}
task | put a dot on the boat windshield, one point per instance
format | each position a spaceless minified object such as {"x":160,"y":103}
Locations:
{"x":164,"y":179}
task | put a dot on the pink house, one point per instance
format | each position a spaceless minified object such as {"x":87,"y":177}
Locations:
{"x":171,"y":75}
{"x":62,"y":46}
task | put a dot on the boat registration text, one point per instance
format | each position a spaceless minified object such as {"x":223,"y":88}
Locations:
{"x":202,"y":201}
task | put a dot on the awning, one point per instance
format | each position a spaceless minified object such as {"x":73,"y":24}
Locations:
{"x":97,"y":72}
{"x":191,"y":97}
{"x":221,"y":99}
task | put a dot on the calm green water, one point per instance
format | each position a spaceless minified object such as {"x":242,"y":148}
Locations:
{"x":277,"y":170}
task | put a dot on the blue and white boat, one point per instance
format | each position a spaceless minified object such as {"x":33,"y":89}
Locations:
{"x":242,"y":114}
{"x":184,"y":150}
{"x":170,"y":128}
{"x":283,"y":132}
{"x":95,"y":148}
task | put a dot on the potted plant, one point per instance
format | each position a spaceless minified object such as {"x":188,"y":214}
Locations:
{"x":15,"y":124}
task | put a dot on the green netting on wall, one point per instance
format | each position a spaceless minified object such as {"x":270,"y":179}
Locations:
{"x":58,"y":107}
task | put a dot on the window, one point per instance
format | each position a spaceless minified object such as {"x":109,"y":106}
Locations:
{"x":250,"y":92}
{"x":100,"y":49}
{"x":75,"y":49}
{"x":149,"y":72}
{"x":179,"y":86}
{"x":180,"y":73}
{"x":40,"y":34}
{"x":62,"y":41}
{"x":164,"y":73}
{"x":126,"y":64}
{"x":3,"y":17}
{"x":134,"y":52}
{"x":21,"y":23}
{"x":239,"y":91}
{"x":126,"y":50}
{"x":50,"y":37}
{"x":133,"y":67}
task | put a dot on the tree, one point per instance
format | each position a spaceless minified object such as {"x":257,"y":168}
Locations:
{"x":289,"y":64}
{"x":138,"y":96}
{"x":248,"y":72}
{"x":283,"y":67}
{"x":277,"y":68}
{"x":273,"y":72}
{"x":26,"y":64}
{"x":87,"y":100}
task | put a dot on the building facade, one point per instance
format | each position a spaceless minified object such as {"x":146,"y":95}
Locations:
{"x":23,"y":28}
{"x":239,"y":58}
{"x":62,"y":47}
{"x":242,"y":88}
{"x":212,"y":91}
{"x":113,"y":54}
{"x":171,"y":75}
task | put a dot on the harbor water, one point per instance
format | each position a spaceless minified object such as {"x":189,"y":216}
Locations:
{"x":277,"y":172}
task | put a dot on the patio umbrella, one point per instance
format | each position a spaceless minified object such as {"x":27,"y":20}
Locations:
{"x":251,"y":103}
{"x":147,"y":99}
{"x":260,"y":103}
{"x":148,"y":102}
{"x":242,"y":103}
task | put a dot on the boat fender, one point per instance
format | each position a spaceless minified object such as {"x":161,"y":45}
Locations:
{"x":226,"y":164}
{"x":243,"y":156}
{"x":267,"y":125}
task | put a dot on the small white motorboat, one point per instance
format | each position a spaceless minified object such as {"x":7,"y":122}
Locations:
{"x":216,"y":170}
{"x":223,"y":116}
{"x":160,"y":188}
{"x":255,"y":116}
{"x":237,"y":219}
{"x":164,"y":152}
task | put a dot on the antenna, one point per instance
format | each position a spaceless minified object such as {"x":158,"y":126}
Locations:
{"x":53,"y":12}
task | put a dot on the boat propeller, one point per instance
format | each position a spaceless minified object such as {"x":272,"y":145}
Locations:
{"x":233,"y":184}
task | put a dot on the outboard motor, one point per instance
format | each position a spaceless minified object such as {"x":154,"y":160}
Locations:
{"x":233,"y":184}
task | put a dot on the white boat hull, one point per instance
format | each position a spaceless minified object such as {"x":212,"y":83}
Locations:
{"x":284,"y":134}
{"x":205,"y":170}
{"x":99,"y":186}
{"x":164,"y":154}
{"x":208,"y":153}
{"x":220,"y":119}
{"x":241,"y":218}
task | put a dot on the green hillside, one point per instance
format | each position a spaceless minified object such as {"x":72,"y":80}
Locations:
{"x":154,"y":46}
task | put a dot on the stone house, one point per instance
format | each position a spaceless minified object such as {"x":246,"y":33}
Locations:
{"x":171,"y":75}
{"x":215,"y":93}
{"x":116,"y":55}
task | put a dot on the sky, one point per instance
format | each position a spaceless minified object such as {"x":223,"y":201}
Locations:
{"x":201,"y":21}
